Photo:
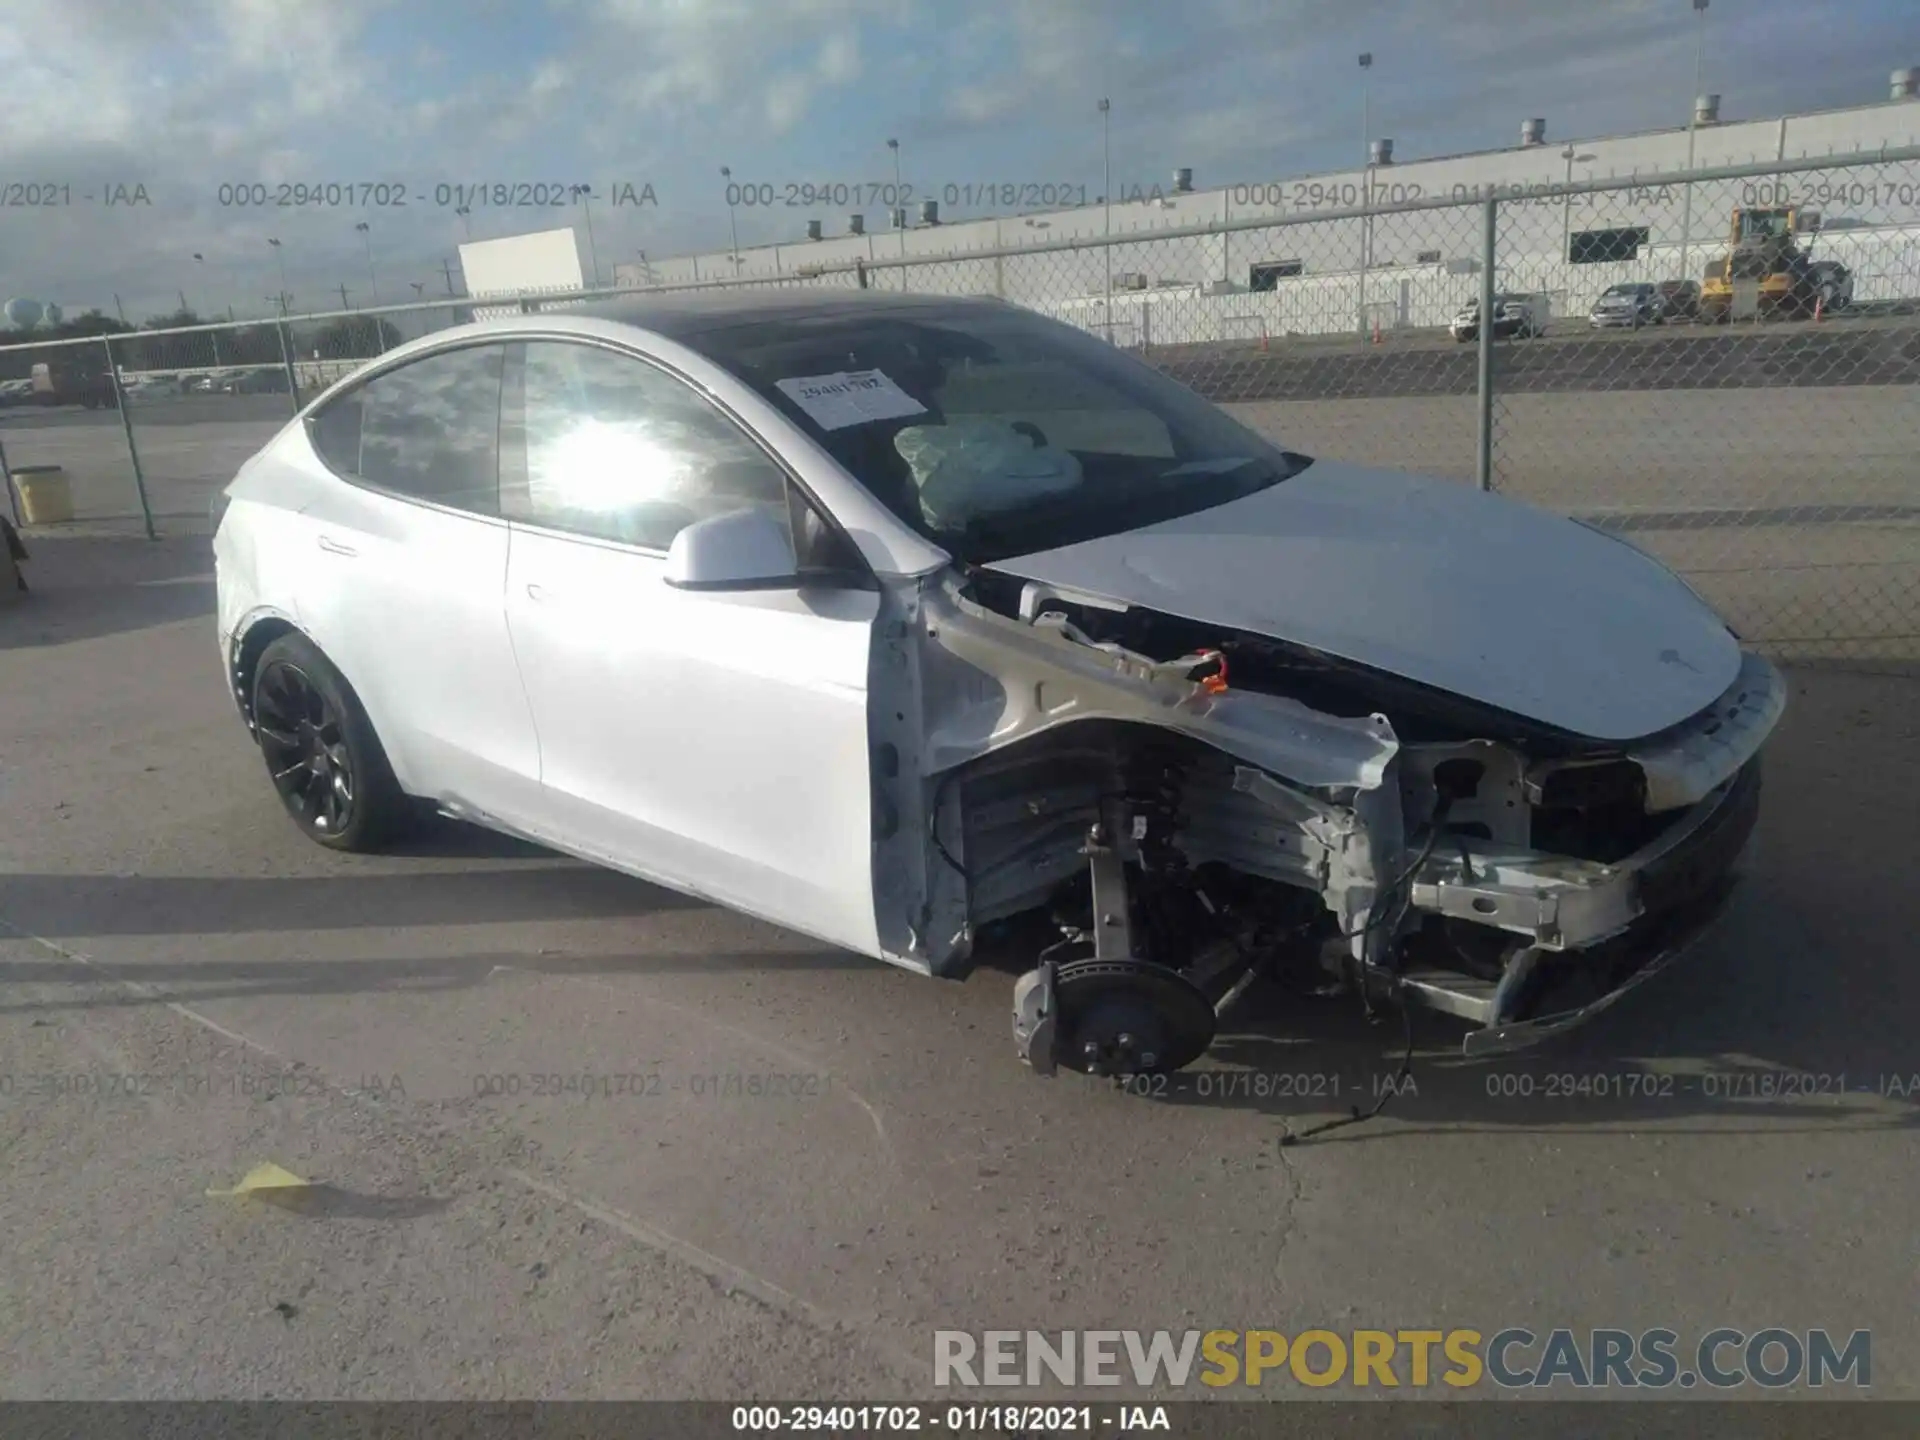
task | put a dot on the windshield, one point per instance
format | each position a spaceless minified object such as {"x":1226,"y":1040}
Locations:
{"x":1625,"y":291}
{"x":998,"y":432}
{"x":1765,"y":225}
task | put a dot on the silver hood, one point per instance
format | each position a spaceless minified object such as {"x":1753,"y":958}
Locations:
{"x":1433,"y":581}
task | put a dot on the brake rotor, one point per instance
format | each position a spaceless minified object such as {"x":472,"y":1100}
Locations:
{"x":1127,"y":1017}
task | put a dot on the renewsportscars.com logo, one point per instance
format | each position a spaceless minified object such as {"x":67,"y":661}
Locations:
{"x":1395,"y":1359}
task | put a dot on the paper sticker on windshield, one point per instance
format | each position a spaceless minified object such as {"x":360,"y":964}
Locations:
{"x":853,"y":397}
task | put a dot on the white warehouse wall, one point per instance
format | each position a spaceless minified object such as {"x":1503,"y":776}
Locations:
{"x":1532,"y":231}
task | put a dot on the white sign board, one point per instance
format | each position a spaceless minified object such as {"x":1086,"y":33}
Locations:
{"x":546,"y":260}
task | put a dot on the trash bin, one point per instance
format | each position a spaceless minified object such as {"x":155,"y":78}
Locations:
{"x":46,"y":495}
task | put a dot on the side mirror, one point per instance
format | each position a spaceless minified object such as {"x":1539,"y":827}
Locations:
{"x":746,"y":550}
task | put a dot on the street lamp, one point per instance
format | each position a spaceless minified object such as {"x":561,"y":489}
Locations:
{"x":214,"y":335}
{"x":1693,"y":126}
{"x":280,"y":255}
{"x":1566,"y":216}
{"x":1106,"y":198}
{"x":584,"y":194}
{"x":419,"y":288}
{"x":373,"y":285}
{"x":463,"y":212}
{"x":899,"y":205}
{"x":1366,"y":177}
{"x":733,"y":228}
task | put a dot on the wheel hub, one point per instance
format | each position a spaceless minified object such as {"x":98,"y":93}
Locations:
{"x":1128,"y":1017}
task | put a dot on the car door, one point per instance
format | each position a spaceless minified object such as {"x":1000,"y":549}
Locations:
{"x":713,"y":741}
{"x":410,"y":562}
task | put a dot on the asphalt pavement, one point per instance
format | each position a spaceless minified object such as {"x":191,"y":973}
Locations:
{"x":188,"y":989}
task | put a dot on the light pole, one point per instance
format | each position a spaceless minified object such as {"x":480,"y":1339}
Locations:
{"x":1366,"y":180}
{"x":1693,"y":127}
{"x":898,"y":208}
{"x":373,"y":285}
{"x":419,"y":289}
{"x":213,"y":335}
{"x":1106,"y":199}
{"x":280,"y":255}
{"x":464,"y":211}
{"x":1566,"y":216}
{"x":733,"y":228}
{"x":584,"y":194}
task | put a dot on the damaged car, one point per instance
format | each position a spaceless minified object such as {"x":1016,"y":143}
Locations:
{"x":950,"y":634}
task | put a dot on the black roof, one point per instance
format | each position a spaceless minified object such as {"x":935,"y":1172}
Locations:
{"x":678,"y":314}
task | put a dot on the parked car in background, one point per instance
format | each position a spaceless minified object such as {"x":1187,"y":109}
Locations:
{"x":1680,"y":299}
{"x":16,"y":392}
{"x":940,"y":630}
{"x":1513,"y":315}
{"x":1633,"y":303}
{"x":74,"y":382}
{"x":1832,"y":284}
{"x":264,"y":380}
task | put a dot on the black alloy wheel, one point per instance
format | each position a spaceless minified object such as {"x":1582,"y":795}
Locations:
{"x":305,"y":744}
{"x":321,"y":751}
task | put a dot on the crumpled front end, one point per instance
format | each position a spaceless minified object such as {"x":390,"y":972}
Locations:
{"x":1138,"y":796}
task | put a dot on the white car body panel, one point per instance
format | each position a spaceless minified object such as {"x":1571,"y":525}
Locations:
{"x":1430,"y":580}
{"x":406,"y":599}
{"x":658,"y":709}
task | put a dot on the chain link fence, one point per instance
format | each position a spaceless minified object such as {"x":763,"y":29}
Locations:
{"x":1723,"y":367}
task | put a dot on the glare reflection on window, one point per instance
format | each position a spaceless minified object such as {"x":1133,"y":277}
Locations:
{"x":598,"y":467}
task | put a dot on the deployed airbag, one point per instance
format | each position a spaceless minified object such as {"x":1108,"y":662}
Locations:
{"x":973,"y":467}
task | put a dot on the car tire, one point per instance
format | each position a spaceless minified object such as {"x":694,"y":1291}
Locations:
{"x":325,"y":761}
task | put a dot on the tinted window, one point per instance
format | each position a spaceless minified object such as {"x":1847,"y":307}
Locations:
{"x":995,"y":431}
{"x":621,"y":450}
{"x":429,"y":429}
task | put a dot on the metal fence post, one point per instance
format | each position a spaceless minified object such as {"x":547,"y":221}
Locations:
{"x":126,"y":424}
{"x":286,"y":360}
{"x":6,"y":478}
{"x":1483,"y":449}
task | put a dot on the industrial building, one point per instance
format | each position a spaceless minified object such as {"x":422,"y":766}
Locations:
{"x":1411,"y":268}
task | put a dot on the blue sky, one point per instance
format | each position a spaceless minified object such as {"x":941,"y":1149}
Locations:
{"x":184,"y":97}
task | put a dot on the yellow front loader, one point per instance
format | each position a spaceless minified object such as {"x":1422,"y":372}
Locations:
{"x":1766,"y":271}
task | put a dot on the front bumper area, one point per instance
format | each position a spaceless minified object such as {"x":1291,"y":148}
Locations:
{"x":1586,"y":933}
{"x":1672,"y":893}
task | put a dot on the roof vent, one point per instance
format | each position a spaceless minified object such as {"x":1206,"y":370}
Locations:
{"x":899,"y":217}
{"x":813,"y":229}
{"x":1183,"y":180}
{"x":1706,"y":109}
{"x":1533,"y":132}
{"x":1906,"y":84}
{"x":1383,"y":152}
{"x":929,"y":212}
{"x":856,"y":224}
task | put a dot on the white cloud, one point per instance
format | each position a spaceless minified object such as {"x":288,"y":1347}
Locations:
{"x":185,"y":95}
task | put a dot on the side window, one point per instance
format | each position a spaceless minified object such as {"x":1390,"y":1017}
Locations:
{"x":429,"y":430}
{"x":618,"y":449}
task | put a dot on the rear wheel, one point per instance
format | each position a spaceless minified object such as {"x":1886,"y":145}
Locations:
{"x":321,"y":751}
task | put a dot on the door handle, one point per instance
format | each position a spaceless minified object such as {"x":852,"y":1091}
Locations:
{"x":539,"y":592}
{"x":334,"y":547}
